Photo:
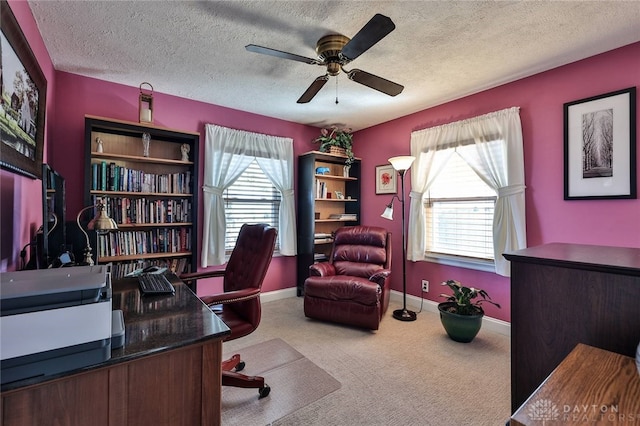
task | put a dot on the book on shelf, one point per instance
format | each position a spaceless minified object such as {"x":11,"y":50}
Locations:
{"x":126,"y":210}
{"x":322,"y":240}
{"x":344,"y":216}
{"x":131,"y":243}
{"x":319,"y":257}
{"x":321,"y":189}
{"x":113,"y":177}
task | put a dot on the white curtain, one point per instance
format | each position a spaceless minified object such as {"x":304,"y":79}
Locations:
{"x":228,"y":152}
{"x":498,"y":160}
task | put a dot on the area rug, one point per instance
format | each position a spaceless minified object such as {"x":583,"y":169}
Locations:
{"x":294,"y":380}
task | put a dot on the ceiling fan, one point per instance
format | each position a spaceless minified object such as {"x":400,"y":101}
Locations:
{"x":335,"y":51}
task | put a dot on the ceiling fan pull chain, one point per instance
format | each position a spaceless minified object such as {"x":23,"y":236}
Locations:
{"x":336,"y":90}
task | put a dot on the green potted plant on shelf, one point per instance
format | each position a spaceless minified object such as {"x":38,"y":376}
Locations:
{"x":461,"y":314}
{"x":336,"y":140}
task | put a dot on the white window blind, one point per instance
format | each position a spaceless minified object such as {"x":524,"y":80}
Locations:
{"x":251,"y":199}
{"x":459,"y":210}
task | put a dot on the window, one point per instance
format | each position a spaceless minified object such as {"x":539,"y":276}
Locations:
{"x":251,"y":199}
{"x":459,"y":210}
{"x":491,"y":145}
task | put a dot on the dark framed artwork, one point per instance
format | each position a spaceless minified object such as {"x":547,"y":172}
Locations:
{"x":600,"y":147}
{"x":386,"y":182}
{"x":23,"y":91}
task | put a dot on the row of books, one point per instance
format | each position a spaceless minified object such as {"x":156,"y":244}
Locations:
{"x":112,"y":177}
{"x":321,"y":189}
{"x":125,"y":210}
{"x":176,"y":265}
{"x":128,"y":243}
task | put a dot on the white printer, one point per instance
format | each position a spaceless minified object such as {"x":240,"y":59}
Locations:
{"x":54,"y":320}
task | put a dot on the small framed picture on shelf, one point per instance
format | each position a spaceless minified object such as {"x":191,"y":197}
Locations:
{"x":339,"y":195}
{"x":386,"y":182}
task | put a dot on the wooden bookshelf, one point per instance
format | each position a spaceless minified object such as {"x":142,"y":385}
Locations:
{"x":152,"y":198}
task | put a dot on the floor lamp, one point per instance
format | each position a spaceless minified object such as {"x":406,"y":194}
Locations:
{"x":401,"y":165}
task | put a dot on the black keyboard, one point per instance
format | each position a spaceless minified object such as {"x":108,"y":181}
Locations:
{"x":155,"y":284}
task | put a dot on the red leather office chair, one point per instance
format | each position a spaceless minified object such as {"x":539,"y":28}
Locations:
{"x":239,"y":305}
{"x":353,"y":286}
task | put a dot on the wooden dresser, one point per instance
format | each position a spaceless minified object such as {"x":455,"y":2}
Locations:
{"x":565,"y":294}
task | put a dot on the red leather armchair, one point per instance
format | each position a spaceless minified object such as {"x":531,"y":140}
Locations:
{"x":239,"y":305}
{"x":353,"y":286}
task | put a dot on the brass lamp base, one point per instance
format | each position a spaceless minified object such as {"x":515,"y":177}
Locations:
{"x":88,"y":258}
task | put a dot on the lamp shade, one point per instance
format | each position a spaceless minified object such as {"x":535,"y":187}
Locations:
{"x":402,"y":163}
{"x":388,"y":212}
{"x":102,"y":222}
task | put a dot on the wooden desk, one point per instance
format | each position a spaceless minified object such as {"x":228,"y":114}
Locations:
{"x":167,"y":373}
{"x":590,"y":386}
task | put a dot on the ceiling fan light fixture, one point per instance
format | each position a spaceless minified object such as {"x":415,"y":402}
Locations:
{"x":333,"y":68}
{"x":329,"y":47}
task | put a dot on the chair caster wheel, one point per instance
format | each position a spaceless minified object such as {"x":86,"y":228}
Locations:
{"x":264,"y":391}
{"x":240,"y":366}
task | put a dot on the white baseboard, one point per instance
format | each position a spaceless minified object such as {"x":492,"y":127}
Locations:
{"x":278,"y":294}
{"x":492,"y":324}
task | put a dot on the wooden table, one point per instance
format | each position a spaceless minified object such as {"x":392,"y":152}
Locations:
{"x":590,"y":386}
{"x":167,"y":373}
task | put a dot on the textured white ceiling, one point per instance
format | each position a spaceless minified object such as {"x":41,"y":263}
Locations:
{"x":440,"y":50}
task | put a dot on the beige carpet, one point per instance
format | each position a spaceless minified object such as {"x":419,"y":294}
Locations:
{"x":294,"y":380}
{"x":403,"y":374}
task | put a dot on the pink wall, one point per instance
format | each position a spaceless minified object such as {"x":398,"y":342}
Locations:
{"x":549,"y":217}
{"x":81,"y":95}
{"x":21,"y":197}
{"x":540,"y":97}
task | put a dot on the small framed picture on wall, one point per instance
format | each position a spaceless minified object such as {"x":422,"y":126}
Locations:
{"x":386,"y":181}
{"x":600,"y":147}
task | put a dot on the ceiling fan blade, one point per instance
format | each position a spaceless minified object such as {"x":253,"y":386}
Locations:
{"x":313,"y":89}
{"x":373,"y":31}
{"x":279,"y":54}
{"x":378,"y":83}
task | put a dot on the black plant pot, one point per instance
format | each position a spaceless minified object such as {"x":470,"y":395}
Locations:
{"x":461,"y":328}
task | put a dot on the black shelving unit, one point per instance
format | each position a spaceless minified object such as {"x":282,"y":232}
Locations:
{"x":315,"y":208}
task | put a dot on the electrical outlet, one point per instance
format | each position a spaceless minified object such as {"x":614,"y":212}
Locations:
{"x":425,"y":285}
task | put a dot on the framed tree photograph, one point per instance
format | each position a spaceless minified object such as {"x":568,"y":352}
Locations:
{"x":386,"y":181}
{"x":23,"y":90}
{"x":600,"y":147}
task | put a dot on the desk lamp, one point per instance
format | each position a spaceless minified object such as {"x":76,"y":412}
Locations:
{"x":101,"y":223}
{"x":401,"y":165}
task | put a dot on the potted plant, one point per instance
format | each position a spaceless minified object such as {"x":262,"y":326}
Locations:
{"x":461,"y":315}
{"x":336,"y":140}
